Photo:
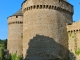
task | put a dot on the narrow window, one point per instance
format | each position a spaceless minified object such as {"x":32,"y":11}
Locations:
{"x":16,"y":16}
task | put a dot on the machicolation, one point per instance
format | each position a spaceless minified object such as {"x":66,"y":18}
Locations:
{"x":47,"y":7}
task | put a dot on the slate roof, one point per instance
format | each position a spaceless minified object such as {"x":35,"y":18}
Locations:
{"x":19,"y":13}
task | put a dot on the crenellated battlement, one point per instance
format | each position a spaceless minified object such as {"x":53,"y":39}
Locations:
{"x":59,"y":5}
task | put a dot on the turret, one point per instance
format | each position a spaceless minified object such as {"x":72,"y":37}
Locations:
{"x":15,"y":32}
{"x":44,"y":29}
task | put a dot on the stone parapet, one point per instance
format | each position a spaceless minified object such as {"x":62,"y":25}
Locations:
{"x":59,"y":5}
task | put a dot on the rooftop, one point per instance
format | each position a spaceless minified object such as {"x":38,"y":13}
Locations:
{"x":19,"y":13}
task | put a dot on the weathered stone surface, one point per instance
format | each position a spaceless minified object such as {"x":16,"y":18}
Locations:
{"x":74,"y":38}
{"x":47,"y":18}
{"x":39,"y":32}
{"x":15,"y":32}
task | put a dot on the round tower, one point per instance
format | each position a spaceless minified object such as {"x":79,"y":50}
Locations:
{"x":15,"y":31}
{"x":44,"y":29}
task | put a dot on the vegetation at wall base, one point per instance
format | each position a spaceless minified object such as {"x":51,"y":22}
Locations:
{"x":3,"y":46}
{"x":15,"y":57}
{"x":77,"y":52}
{"x":3,"y":56}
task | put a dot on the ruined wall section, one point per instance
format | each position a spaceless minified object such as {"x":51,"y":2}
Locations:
{"x":47,"y":18}
{"x":15,"y":32}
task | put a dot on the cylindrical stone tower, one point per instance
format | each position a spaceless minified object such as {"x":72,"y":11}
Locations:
{"x":15,"y":33}
{"x":44,"y":29}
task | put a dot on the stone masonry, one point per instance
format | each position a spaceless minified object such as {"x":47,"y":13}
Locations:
{"x":39,"y":31}
{"x":47,"y":18}
{"x":15,"y":33}
{"x":74,"y":39}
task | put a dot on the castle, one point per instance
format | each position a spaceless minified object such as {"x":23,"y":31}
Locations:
{"x":40,"y":31}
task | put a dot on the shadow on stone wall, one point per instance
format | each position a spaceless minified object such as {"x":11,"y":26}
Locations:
{"x":45,"y":48}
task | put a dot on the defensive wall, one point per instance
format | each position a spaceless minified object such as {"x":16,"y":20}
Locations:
{"x":74,"y":39}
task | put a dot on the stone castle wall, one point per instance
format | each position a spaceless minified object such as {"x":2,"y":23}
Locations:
{"x":15,"y":32}
{"x":74,"y":38}
{"x":41,"y":33}
{"x":47,"y":18}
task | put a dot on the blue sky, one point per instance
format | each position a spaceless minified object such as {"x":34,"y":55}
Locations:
{"x":9,"y":7}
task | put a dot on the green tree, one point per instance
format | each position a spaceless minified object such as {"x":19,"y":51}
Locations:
{"x":3,"y":46}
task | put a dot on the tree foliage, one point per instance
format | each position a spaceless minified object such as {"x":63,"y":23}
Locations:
{"x":3,"y":45}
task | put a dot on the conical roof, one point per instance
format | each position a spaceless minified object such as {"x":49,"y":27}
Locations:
{"x":19,"y":13}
